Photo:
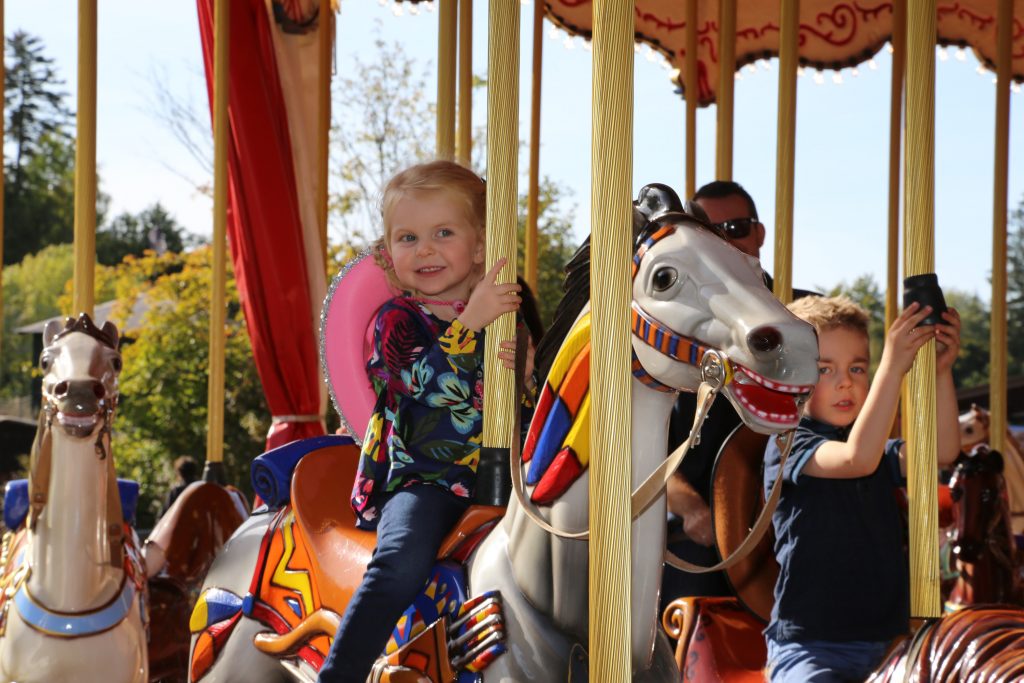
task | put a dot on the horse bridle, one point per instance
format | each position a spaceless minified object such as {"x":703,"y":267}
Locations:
{"x":716,"y":372}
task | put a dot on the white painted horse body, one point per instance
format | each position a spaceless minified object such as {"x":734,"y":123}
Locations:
{"x":73,"y":585}
{"x":694,"y":284}
{"x":730,"y":303}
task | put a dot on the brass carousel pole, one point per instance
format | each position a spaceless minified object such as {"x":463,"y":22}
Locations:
{"x":447,"y":21}
{"x":85,"y":162}
{"x":326,"y":34}
{"x":530,"y":259}
{"x":611,"y":381}
{"x":692,"y":94}
{"x":789,"y":30}
{"x":214,"y":469}
{"x":3,"y":133}
{"x":899,"y":50}
{"x":726,"y":85}
{"x":464,"y":137}
{"x":997,"y":339}
{"x":919,"y":224}
{"x":502,"y":212}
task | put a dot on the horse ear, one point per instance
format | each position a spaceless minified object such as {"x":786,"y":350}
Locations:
{"x":110,"y":329}
{"x":50,"y":331}
{"x":657,"y":199}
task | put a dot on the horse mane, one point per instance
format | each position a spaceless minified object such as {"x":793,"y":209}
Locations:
{"x":655,"y":205}
{"x":83,"y":323}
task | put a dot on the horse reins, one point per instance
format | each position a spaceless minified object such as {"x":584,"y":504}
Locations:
{"x":716,"y":372}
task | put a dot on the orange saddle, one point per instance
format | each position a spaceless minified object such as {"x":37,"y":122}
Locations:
{"x":338,"y":551}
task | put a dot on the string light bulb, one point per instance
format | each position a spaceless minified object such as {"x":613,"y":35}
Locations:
{"x":854,"y":72}
{"x":819,"y":78}
{"x":837,"y":78}
{"x":941,"y":52}
{"x":961,"y":54}
{"x":872,"y":65}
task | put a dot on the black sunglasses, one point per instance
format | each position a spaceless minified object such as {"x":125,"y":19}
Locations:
{"x":737,"y":228}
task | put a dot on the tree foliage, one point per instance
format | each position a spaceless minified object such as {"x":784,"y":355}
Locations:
{"x":163,"y":408}
{"x":132,"y":234}
{"x":555,"y":244}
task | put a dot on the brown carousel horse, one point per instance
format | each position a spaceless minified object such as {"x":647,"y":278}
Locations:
{"x":982,"y":542}
{"x":974,"y":430}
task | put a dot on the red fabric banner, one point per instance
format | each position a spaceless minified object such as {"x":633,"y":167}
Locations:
{"x":264,"y":229}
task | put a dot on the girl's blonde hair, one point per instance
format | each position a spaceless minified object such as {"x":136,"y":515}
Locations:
{"x":831,"y":312}
{"x":460,"y":183}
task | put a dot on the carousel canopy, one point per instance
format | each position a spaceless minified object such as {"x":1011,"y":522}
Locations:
{"x":834,"y":34}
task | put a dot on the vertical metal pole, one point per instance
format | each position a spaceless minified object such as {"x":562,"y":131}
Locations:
{"x":502,"y":206}
{"x":464,"y":140}
{"x":85,"y":162}
{"x":215,"y":388}
{"x":726,"y":83}
{"x":530,"y":262}
{"x":692,"y":94}
{"x":611,"y":382}
{"x":789,"y":30}
{"x":326,"y":29}
{"x":447,"y":20}
{"x":899,"y":52}
{"x":3,"y":136}
{"x":997,"y":341}
{"x":920,"y":239}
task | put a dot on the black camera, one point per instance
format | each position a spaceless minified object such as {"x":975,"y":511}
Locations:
{"x":925,"y":290}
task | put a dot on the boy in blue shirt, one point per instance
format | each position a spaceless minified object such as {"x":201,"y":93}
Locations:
{"x":843,"y":590}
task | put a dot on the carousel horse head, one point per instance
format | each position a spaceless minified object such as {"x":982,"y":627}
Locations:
{"x":694,"y":293}
{"x":973,"y":428}
{"x":979,"y":502}
{"x":80,"y":365}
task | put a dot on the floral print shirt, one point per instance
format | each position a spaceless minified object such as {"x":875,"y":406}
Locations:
{"x":427,"y":425}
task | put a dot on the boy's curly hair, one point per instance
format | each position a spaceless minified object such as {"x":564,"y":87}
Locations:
{"x":831,"y":312}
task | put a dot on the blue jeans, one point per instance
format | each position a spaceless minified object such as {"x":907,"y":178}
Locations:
{"x":821,"y":661}
{"x":413,"y":522}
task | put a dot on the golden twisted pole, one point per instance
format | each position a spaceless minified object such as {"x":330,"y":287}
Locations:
{"x":502,"y":209}
{"x":611,"y":381}
{"x":215,"y":387}
{"x":464,"y":135}
{"x":997,"y":339}
{"x":789,"y":31}
{"x":447,"y":20}
{"x":530,"y":257}
{"x":85,"y":162}
{"x":726,"y":83}
{"x":920,"y":240}
{"x":899,"y":50}
{"x":692,"y":94}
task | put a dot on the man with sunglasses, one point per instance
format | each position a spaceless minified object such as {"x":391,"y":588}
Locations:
{"x":731,"y":209}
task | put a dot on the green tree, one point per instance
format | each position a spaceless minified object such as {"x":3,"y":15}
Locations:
{"x":865,"y":292}
{"x":971,"y":367}
{"x":39,"y":153}
{"x":163,"y":409}
{"x":154,"y":228}
{"x":555,"y":243}
{"x":1015,"y":291}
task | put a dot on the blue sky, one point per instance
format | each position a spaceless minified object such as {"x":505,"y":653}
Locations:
{"x":842,"y":130}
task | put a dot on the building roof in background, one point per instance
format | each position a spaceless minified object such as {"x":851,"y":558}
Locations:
{"x":101,"y":314}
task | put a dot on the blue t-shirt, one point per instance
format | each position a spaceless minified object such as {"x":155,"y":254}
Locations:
{"x":840,"y":546}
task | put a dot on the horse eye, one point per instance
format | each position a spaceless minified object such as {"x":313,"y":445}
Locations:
{"x":664,"y":278}
{"x":117,"y":364}
{"x":45,"y":363}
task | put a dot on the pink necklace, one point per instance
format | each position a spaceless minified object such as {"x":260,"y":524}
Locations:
{"x":458,"y":305}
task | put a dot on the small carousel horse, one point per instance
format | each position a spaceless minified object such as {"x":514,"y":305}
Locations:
{"x":982,"y":543}
{"x":974,"y":430}
{"x":73,"y":587}
{"x":286,"y":575}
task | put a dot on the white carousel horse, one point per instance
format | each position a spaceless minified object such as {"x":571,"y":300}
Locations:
{"x":688,"y":285}
{"x":73,"y":584}
{"x":974,"y":430}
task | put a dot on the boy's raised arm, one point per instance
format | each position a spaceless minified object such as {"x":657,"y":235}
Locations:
{"x":859,"y":455}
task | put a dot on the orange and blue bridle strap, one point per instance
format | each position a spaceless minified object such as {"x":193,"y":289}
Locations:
{"x":676,"y":346}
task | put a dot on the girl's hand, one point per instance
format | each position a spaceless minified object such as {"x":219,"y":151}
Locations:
{"x":948,"y":338}
{"x":490,"y":300}
{"x":904,"y":339}
{"x":507,"y":354}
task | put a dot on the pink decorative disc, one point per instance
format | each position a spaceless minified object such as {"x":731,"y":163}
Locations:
{"x":346,"y":338}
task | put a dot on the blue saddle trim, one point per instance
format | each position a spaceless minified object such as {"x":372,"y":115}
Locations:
{"x":16,"y":501}
{"x":64,"y":625}
{"x":272,"y":471}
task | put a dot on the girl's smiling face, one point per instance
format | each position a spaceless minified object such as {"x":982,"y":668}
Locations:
{"x":842,"y":376}
{"x":436,"y":250}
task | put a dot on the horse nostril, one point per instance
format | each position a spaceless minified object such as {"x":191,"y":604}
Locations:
{"x":97,"y":390}
{"x":764,"y":339}
{"x":60,"y":389}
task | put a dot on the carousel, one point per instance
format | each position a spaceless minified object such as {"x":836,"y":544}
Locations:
{"x":220,"y":591}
